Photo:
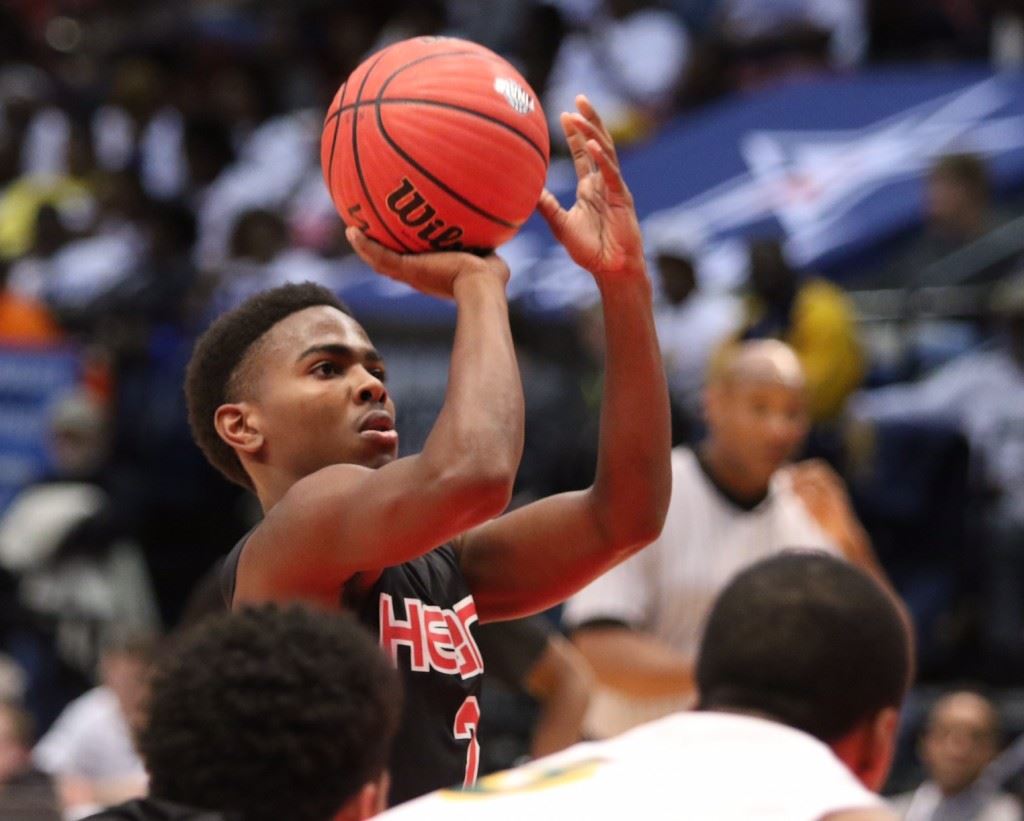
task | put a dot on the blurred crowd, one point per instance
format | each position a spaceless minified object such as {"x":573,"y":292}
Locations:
{"x":159,"y":163}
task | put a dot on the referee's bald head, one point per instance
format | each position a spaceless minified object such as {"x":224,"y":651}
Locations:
{"x":766,"y":361}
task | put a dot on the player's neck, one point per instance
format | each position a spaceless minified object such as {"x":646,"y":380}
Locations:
{"x":271,"y":485}
{"x":728,"y":475}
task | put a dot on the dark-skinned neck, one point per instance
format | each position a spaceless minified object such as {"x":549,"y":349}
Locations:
{"x":728,"y":477}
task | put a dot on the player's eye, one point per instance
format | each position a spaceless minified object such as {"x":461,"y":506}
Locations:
{"x":378,"y":373}
{"x":326,"y":368}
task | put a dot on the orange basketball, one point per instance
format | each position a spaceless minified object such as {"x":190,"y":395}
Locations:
{"x":435,"y":144}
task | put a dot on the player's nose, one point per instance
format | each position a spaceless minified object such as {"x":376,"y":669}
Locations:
{"x":371,"y":389}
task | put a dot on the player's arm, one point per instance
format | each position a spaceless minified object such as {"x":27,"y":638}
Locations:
{"x":633,"y":662}
{"x":825,"y":497}
{"x":540,"y":554}
{"x":345,"y":518}
{"x":561,"y":681}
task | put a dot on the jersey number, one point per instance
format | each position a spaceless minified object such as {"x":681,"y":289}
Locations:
{"x":467,"y":719}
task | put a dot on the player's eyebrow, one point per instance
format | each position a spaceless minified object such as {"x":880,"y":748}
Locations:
{"x":341,"y":351}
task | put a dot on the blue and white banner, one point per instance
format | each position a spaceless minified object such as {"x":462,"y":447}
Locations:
{"x":31,"y":380}
{"x":834,"y":165}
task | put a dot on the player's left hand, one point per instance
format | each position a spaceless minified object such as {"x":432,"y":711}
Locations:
{"x":600,"y":231}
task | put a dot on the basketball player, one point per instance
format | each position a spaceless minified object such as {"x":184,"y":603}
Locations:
{"x":287,"y":396}
{"x":266,"y":714}
{"x":734,"y":500}
{"x":801,"y":673}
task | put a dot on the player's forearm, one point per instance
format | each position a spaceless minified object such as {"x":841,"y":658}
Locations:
{"x":634,"y":662}
{"x":479,"y":431}
{"x":562,"y":683}
{"x":633,"y":481}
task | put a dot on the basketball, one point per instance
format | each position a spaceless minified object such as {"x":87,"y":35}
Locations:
{"x":435,"y":144}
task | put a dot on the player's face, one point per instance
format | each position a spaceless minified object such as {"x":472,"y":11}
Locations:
{"x":761,"y":424}
{"x":320,"y":395}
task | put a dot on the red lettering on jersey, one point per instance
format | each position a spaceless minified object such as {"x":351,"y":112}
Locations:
{"x":440,"y":647}
{"x":394,"y":632}
{"x":437,"y":638}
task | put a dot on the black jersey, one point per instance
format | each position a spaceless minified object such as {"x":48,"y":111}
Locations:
{"x":422,"y":613}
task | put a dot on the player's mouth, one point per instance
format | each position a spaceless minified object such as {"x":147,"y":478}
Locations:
{"x":379,"y":427}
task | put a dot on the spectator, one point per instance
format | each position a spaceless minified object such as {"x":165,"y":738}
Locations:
{"x":797,"y":719}
{"x":629,"y":62}
{"x":732,"y":503}
{"x":813,"y":317}
{"x":90,"y":749}
{"x":982,"y":392}
{"x":690,"y":325}
{"x":958,"y":210}
{"x":26,"y":794}
{"x":269,"y":714}
{"x":960,"y":740}
{"x":24,"y":320}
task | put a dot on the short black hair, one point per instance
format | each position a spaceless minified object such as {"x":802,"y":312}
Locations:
{"x":807,"y":639}
{"x":966,"y":170}
{"x":218,"y":354}
{"x":270,"y":713}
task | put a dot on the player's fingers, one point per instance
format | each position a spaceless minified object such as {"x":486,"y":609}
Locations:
{"x":577,"y":146}
{"x":382,"y":260}
{"x":591,"y":132}
{"x":588,"y":111}
{"x":613,"y":181}
{"x":552,"y":212}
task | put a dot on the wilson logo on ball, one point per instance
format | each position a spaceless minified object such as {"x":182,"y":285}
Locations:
{"x":412,"y":208}
{"x":517,"y":96}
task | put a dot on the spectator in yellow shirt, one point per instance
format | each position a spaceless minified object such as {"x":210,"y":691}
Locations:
{"x":812,"y":316}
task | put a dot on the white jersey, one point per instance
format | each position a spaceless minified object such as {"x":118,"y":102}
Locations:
{"x":707,"y":766}
{"x":667,"y":589}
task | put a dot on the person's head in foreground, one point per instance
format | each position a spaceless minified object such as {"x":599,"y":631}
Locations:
{"x":812,"y":642}
{"x":273,"y":713}
{"x":285,"y":384}
{"x":960,"y":739}
{"x":756,"y":410}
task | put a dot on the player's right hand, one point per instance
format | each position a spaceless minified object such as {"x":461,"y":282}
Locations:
{"x":433,"y":274}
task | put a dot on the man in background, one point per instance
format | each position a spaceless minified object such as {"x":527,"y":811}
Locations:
{"x":960,"y":740}
{"x":733,"y":502}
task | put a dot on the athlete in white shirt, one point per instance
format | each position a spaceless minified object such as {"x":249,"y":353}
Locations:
{"x":801,"y":672}
{"x":733,"y":502}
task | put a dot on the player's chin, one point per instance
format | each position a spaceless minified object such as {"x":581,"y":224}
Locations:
{"x":378,"y":450}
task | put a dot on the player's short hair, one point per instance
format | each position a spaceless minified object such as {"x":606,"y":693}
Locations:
{"x":217,"y":359}
{"x":270,"y":713}
{"x":807,"y":639}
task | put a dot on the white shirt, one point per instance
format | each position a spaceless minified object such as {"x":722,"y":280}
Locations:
{"x":667,"y":589}
{"x":707,"y":766}
{"x":983,"y":392}
{"x":90,"y":739}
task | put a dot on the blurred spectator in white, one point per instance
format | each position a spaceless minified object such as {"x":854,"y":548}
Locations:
{"x":691,"y":325}
{"x":63,"y":539}
{"x":271,"y":166}
{"x":139,"y":129}
{"x":733,"y":502}
{"x":982,"y":392}
{"x":812,"y":316}
{"x":629,"y":61}
{"x":90,"y":749}
{"x":760,"y":26}
{"x":261,"y":258}
{"x":958,"y":210}
{"x":26,"y":793}
{"x":960,"y":740}
{"x":28,"y":117}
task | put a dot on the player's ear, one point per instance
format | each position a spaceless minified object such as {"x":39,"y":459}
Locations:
{"x":237,"y":423}
{"x":371,"y":800}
